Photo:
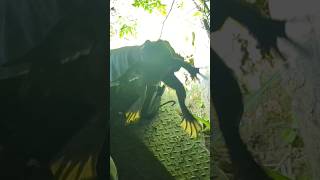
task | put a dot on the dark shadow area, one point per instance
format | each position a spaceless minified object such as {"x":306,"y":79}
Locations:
{"x":132,"y":157}
{"x":60,"y":90}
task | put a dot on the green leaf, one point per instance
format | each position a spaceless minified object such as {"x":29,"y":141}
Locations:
{"x":121,"y":34}
{"x":150,"y":5}
{"x":276,"y":175}
{"x":203,"y":121}
{"x":162,"y":9}
{"x":289,"y":135}
{"x":135,"y":4}
{"x":198,"y":13}
{"x":126,"y":30}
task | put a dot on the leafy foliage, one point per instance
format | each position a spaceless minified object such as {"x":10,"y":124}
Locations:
{"x":151,"y":5}
{"x":203,"y":11}
{"x":127,"y":30}
{"x":123,"y":27}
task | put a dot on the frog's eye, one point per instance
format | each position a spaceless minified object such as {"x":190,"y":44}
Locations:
{"x":147,"y":42}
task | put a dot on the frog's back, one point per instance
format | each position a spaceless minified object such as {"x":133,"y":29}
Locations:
{"x":121,"y":60}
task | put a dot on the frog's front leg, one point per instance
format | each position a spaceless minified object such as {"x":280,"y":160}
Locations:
{"x":193,"y":71}
{"x":189,"y":123}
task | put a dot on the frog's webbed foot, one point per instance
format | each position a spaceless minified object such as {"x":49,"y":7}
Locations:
{"x":191,"y":125}
{"x":193,"y":72}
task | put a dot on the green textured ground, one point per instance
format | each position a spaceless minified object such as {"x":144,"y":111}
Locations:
{"x":184,"y":158}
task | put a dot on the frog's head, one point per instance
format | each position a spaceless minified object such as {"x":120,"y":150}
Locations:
{"x":157,"y":51}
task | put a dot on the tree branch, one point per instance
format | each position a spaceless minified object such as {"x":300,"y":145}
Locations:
{"x":204,"y":20}
{"x":166,"y":18}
